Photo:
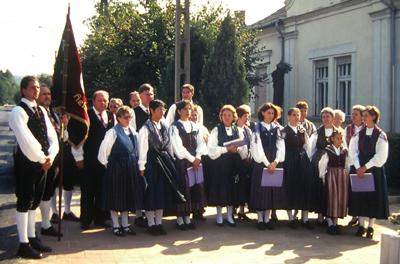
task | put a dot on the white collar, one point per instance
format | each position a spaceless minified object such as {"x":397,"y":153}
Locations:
{"x":29,"y":103}
{"x":144,"y":108}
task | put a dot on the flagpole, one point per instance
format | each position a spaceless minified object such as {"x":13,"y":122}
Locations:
{"x":63,"y":104}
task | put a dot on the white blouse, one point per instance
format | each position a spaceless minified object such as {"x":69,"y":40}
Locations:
{"x":27,"y":142}
{"x":177,"y":146}
{"x":328,"y":133}
{"x":257,"y":150}
{"x":323,"y":163}
{"x":170,"y":119}
{"x":381,"y":151}
{"x":108,"y":142}
{"x":143,"y":142}
{"x":215,"y":151}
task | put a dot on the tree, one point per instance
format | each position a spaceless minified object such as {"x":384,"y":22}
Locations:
{"x":8,"y":87}
{"x":45,"y":78}
{"x":224,"y":75}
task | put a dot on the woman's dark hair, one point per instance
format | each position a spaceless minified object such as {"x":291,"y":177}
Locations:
{"x":291,"y":110}
{"x":154,"y":104}
{"x":265,"y":107}
{"x":179,"y":106}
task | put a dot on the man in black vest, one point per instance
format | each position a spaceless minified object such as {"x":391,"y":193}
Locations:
{"x":146,"y":93}
{"x":37,"y":147}
{"x":101,"y":120}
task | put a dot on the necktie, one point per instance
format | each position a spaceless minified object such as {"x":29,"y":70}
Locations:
{"x":147,"y":111}
{"x":102,"y":121}
{"x":35,"y":110}
{"x":53,"y":122}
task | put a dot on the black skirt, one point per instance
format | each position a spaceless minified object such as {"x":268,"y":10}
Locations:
{"x":371,"y":204}
{"x":122,"y":186}
{"x":241,"y":188}
{"x":264,"y":198}
{"x":221,"y":180}
{"x":318,"y":194}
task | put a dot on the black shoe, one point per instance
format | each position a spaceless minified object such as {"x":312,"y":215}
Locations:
{"x":293,"y":224}
{"x":140,"y":222}
{"x":103,"y":224}
{"x":50,"y":232}
{"x":55,"y":219}
{"x":181,"y":227}
{"x":370,"y":233}
{"x":360,"y":231}
{"x":331,"y":230}
{"x":199,"y":217}
{"x":85,"y":227}
{"x":261,"y":226}
{"x":353,"y":222}
{"x":243,"y":216}
{"x":307,"y":225}
{"x":220,"y":224}
{"x":190,"y":226}
{"x":161,"y":230}
{"x":153,"y":230}
{"x":338,"y":230}
{"x":117,"y":231}
{"x":27,"y":252}
{"x":70,"y":217}
{"x":38,"y":246}
{"x":274,"y":217}
{"x":129,"y":230}
{"x":269,"y":226}
{"x":231,"y":224}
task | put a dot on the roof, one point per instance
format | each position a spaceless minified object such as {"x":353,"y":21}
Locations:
{"x":271,"y":19}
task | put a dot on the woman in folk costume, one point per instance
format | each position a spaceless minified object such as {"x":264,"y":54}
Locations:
{"x":224,"y":167}
{"x":297,"y":178}
{"x":122,"y":185}
{"x":319,"y":142}
{"x":242,"y":190}
{"x":157,"y":166}
{"x":333,"y":170}
{"x":351,"y":129}
{"x":268,"y":151}
{"x":369,"y":151}
{"x":194,"y":117}
{"x":188,"y":147}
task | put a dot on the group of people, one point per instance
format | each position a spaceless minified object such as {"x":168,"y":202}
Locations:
{"x":136,"y":159}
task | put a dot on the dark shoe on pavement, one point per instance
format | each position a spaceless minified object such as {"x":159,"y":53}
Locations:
{"x":220,"y":224}
{"x":37,"y":245}
{"x":293,"y":224}
{"x":331,"y":230}
{"x":153,"y":230}
{"x":70,"y":217}
{"x":161,"y":230}
{"x":199,"y":217}
{"x":370,"y":233}
{"x":129,"y":230}
{"x":140,"y":221}
{"x":117,"y":231}
{"x":231,"y":224}
{"x":50,"y":232}
{"x":190,"y":226}
{"x":307,"y":225}
{"x":181,"y":227}
{"x":269,"y":226}
{"x":55,"y":219}
{"x":360,"y":231}
{"x":27,"y":252}
{"x":261,"y":226}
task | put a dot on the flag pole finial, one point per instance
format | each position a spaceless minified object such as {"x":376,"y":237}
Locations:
{"x":69,"y":7}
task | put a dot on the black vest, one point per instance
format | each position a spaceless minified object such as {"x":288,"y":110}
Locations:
{"x":37,"y":125}
{"x":268,"y":140}
{"x":367,"y":144}
{"x":141,"y":117}
{"x":223,"y":136}
{"x":188,"y":139}
{"x":336,"y":161}
{"x":96,"y":135}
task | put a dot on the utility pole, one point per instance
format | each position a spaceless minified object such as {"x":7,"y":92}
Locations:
{"x":182,"y":46}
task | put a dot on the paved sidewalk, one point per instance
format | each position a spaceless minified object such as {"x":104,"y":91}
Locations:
{"x":207,"y":244}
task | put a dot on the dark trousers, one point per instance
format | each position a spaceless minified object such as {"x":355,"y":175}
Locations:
{"x":91,"y":196}
{"x":30,"y":181}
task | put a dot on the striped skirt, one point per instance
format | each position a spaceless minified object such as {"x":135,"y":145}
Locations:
{"x":337,"y":192}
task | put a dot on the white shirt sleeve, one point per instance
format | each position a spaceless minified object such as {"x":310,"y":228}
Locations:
{"x":280,"y":145}
{"x":27,"y":142}
{"x":215,"y":151}
{"x":201,"y":149}
{"x":200,"y":116}
{"x":170,"y":115}
{"x":381,"y":153}
{"x":309,"y":146}
{"x":353,"y":151}
{"x":52,"y":136}
{"x":132,"y":123}
{"x":257,"y":151}
{"x":106,"y":146}
{"x":143,"y":141}
{"x":312,"y":144}
{"x":177,"y":146}
{"x":323,"y":165}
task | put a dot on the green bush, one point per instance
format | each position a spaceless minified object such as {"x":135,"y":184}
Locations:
{"x":393,"y":163}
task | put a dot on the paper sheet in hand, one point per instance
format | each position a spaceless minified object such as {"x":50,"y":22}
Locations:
{"x":362,"y":184}
{"x":236,"y":142}
{"x":195,"y":176}
{"x":272,"y":180}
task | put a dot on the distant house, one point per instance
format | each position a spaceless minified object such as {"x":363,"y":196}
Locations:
{"x":341,"y":53}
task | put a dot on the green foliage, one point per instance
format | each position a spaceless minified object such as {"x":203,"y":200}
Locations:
{"x":8,"y":87}
{"x":224,"y":76}
{"x":392,"y":165}
{"x":45,"y":78}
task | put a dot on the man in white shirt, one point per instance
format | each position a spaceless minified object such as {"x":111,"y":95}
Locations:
{"x":37,"y":147}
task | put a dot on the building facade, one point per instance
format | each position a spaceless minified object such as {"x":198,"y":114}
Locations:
{"x":342,"y":53}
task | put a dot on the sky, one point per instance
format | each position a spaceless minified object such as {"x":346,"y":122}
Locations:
{"x":31,"y":29}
